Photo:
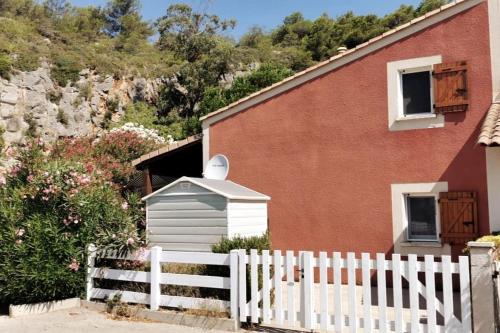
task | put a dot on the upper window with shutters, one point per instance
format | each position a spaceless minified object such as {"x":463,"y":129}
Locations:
{"x":421,"y":90}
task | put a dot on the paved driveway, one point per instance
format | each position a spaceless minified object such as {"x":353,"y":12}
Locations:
{"x":81,"y":320}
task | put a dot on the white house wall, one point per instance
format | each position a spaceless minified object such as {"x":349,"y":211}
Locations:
{"x":246,"y":218}
{"x":493,"y":175}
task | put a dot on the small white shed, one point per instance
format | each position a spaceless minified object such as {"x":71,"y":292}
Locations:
{"x":192,"y":214}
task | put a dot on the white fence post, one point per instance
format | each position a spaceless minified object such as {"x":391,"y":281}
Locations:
{"x":155,"y":290}
{"x":254,"y":286}
{"x":242,"y":284}
{"x":91,"y":254}
{"x":308,"y":285}
{"x":233,"y":268}
{"x":483,"y":302}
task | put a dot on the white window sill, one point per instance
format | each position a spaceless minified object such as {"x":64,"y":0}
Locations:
{"x":417,"y":116}
{"x":421,"y":244}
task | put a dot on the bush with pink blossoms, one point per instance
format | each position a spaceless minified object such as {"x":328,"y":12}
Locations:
{"x":112,"y":152}
{"x":51,"y":208}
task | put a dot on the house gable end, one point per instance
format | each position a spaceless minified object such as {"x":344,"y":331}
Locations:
{"x":360,"y":51}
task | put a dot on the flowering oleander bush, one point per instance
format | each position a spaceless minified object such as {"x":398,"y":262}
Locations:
{"x":51,"y":208}
{"x":113,"y":151}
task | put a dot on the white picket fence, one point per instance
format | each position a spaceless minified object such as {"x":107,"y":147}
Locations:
{"x":323,"y":312}
{"x":156,"y":278}
{"x":297,"y":290}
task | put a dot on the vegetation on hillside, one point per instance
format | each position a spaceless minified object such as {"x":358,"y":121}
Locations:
{"x":189,"y":50}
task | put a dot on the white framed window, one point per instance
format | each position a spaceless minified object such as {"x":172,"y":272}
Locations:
{"x":410,"y":94}
{"x":422,"y":217}
{"x":416,"y":218}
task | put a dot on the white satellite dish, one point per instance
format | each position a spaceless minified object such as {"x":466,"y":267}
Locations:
{"x":217,"y":168}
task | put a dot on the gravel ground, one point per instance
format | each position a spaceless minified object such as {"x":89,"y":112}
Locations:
{"x":81,"y":320}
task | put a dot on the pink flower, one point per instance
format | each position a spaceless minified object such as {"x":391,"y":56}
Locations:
{"x":10,"y":152}
{"x":19,"y":241}
{"x":141,"y":254}
{"x":74,"y":266}
{"x":15,"y":170}
{"x":130,"y":241}
{"x":3,"y":181}
{"x":30,"y":178}
{"x":125,"y":205}
{"x":20,"y":232}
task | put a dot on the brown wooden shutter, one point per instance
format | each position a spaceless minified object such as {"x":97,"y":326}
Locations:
{"x":458,"y":212}
{"x":450,"y":87}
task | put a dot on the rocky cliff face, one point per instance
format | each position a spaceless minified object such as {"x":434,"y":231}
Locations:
{"x":31,"y":102}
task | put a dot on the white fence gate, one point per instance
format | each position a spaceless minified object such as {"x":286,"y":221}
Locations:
{"x":308,"y":292}
{"x":338,"y":307}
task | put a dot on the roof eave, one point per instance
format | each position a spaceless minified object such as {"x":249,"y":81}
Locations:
{"x":193,"y":180}
{"x":144,"y":159}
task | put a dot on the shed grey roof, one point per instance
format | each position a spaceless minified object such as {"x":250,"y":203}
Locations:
{"x":226,"y":188}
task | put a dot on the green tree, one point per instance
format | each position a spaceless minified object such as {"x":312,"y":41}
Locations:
{"x":429,"y":5}
{"x":264,"y":76}
{"x":13,"y":8}
{"x":400,"y":16}
{"x":253,"y":38}
{"x":56,"y":8}
{"x":320,"y":42}
{"x":124,"y":22}
{"x":293,"y":30}
{"x":190,"y":34}
{"x":204,"y":59}
{"x":116,"y":10}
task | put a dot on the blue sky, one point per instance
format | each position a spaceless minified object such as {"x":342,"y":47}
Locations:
{"x":266,"y":13}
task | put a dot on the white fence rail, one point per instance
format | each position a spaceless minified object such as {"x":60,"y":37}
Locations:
{"x":155,"y":278}
{"x":327,"y":292}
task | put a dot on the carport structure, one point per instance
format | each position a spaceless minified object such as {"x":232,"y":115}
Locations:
{"x":163,"y":166}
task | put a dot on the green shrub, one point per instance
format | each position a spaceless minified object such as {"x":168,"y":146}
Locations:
{"x":112,"y":104}
{"x":5,"y":66}
{"x":247,"y":243}
{"x":54,"y":95}
{"x":259,"y":243}
{"x":2,"y":140}
{"x":27,"y":62}
{"x":31,"y":131}
{"x":65,"y":70}
{"x":86,"y":91}
{"x":77,"y":101}
{"x":50,"y":210}
{"x":62,"y":117}
{"x":143,"y":114}
{"x":106,"y":120}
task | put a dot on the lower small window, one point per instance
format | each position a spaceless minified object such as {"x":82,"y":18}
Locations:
{"x":421,"y":212}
